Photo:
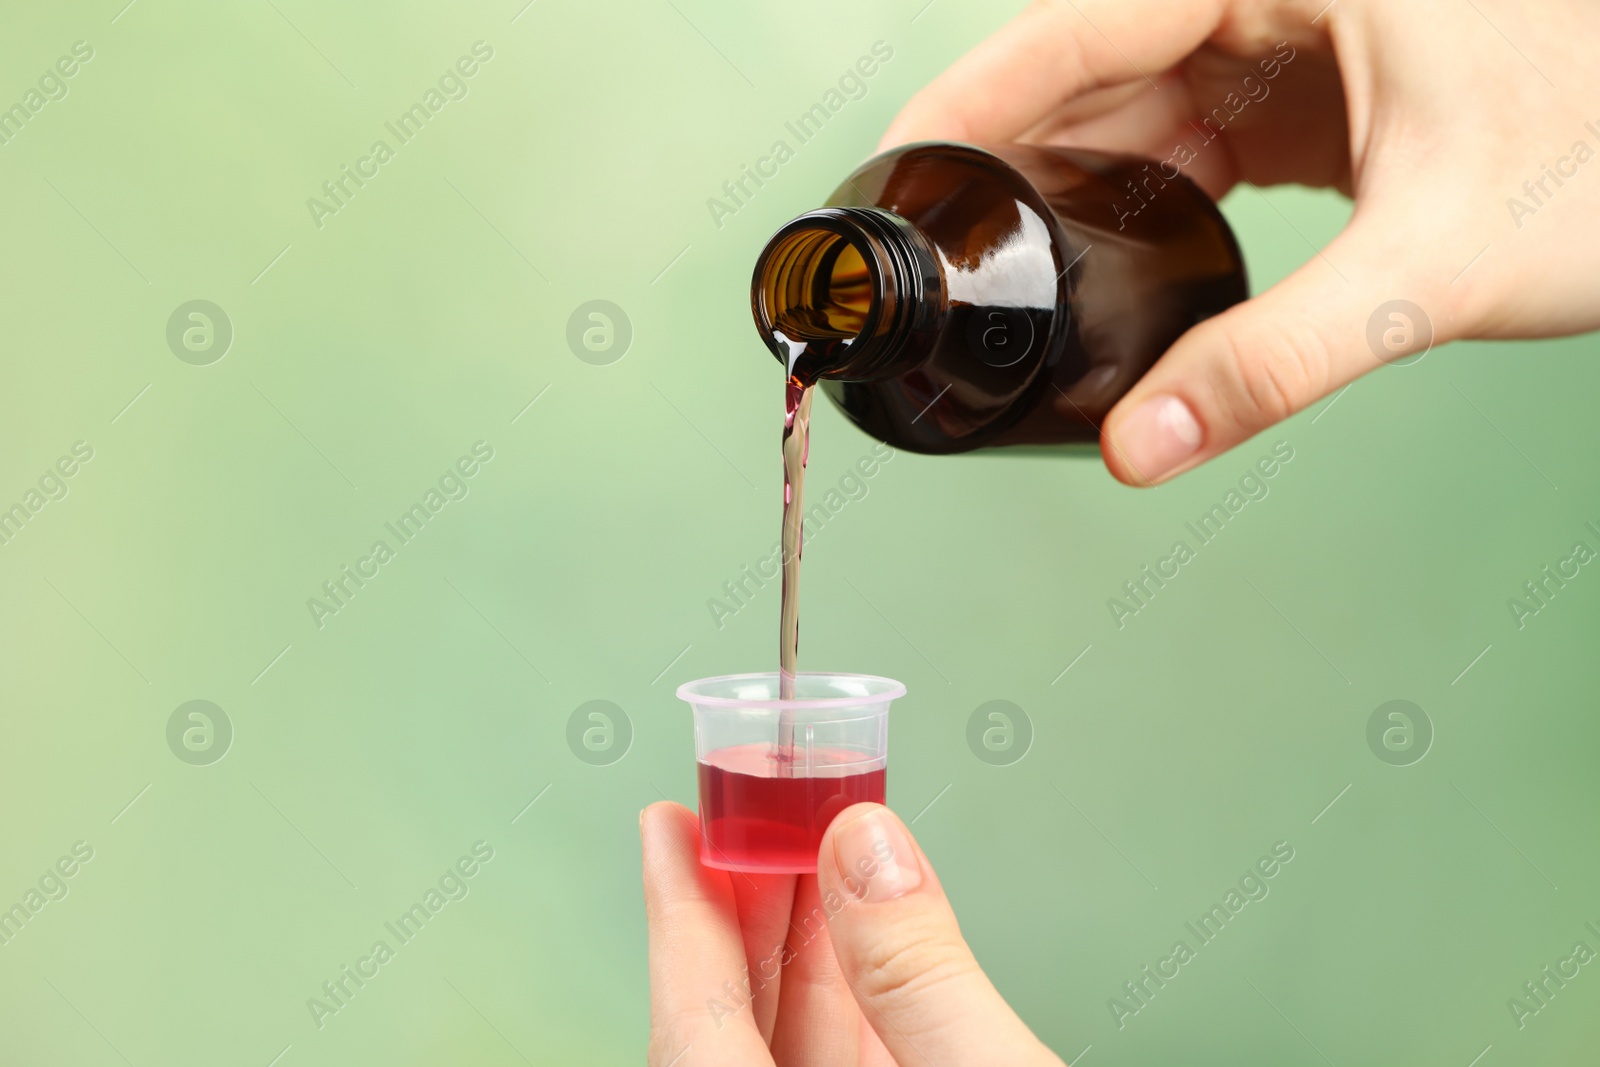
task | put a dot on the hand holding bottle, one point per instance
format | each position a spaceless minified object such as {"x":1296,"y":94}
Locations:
{"x":859,"y":964}
{"x":1463,"y":130}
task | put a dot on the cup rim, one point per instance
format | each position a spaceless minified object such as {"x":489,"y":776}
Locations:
{"x":688,"y":692}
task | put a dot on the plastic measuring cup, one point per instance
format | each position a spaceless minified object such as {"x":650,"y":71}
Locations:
{"x":774,"y":773}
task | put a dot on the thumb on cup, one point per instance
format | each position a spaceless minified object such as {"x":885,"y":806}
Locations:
{"x":900,"y":949}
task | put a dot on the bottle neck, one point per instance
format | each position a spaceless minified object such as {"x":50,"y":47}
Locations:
{"x":847,"y":293}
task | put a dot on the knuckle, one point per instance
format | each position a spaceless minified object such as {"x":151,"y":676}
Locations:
{"x":1062,"y":14}
{"x":907,"y":966}
{"x":1277,"y":368}
{"x":664,"y":1044}
{"x":671,"y":1034}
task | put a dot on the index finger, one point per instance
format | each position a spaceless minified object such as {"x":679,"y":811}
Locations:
{"x":1054,"y":51}
{"x":698,"y":990}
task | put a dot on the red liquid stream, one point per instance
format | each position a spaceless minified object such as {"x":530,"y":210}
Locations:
{"x":796,"y":446}
{"x":757,"y":814}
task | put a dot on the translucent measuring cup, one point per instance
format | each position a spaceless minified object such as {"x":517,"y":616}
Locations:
{"x":774,"y":773}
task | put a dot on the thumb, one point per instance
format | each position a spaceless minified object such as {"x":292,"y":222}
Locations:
{"x":1344,"y":313}
{"x":903,"y":956}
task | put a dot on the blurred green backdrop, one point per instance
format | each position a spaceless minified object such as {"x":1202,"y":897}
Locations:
{"x":374,"y":345}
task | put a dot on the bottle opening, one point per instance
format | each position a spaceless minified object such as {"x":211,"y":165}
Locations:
{"x":838,"y":291}
{"x":816,"y":290}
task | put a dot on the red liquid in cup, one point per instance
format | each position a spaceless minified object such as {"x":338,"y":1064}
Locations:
{"x":752,"y":818}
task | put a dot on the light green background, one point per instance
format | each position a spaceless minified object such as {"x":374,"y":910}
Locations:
{"x":426,"y":715}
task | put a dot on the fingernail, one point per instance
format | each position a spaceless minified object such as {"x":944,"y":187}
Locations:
{"x":1157,"y":436}
{"x":876,"y":857}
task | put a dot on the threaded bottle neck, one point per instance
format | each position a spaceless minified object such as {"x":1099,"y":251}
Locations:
{"x":842,"y":292}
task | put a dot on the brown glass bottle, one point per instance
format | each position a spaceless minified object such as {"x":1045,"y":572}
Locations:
{"x":950,"y":297}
